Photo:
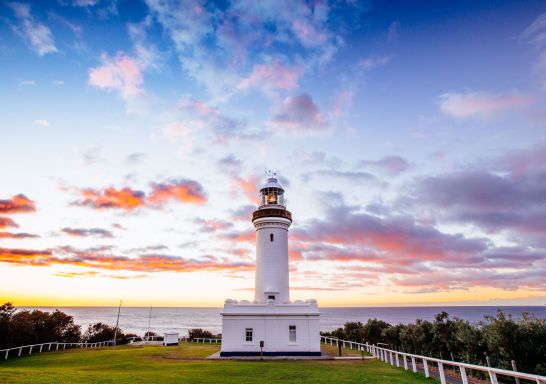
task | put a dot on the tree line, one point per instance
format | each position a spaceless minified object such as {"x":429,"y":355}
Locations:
{"x":24,"y":327}
{"x":498,"y":337}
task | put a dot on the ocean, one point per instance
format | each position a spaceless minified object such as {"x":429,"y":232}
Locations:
{"x":135,"y":319}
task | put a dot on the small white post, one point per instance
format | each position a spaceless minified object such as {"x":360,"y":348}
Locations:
{"x":30,"y":350}
{"x":425,"y":366}
{"x":463,"y":374}
{"x":413,"y":364}
{"x":64,"y":345}
{"x":390,"y":356}
{"x":57,"y":347}
{"x":405,"y":362}
{"x":493,"y":377}
{"x":49,"y":347}
{"x":442,"y":374}
{"x":41,"y":345}
{"x":20,"y":350}
{"x":7,"y":352}
{"x":397,"y":360}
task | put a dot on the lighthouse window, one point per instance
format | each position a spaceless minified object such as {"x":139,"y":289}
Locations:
{"x":248,"y":334}
{"x":271,"y":297}
{"x":292,"y":333}
{"x":271,"y":236}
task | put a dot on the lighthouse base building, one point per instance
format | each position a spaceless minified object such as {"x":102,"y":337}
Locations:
{"x":271,"y":324}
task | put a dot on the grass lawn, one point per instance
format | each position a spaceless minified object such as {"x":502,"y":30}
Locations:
{"x":185,"y":364}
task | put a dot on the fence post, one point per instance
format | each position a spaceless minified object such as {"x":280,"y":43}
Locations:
{"x":64,"y":345}
{"x":397,"y":360}
{"x":463,"y":374}
{"x":425,"y":366}
{"x":515,"y":368}
{"x":493,"y":377}
{"x":41,"y":345}
{"x":7,"y":352}
{"x":442,"y":374}
{"x":413,"y":364}
{"x":57,"y":348}
{"x":20,"y":350}
{"x":30,"y":350}
{"x":405,"y":362}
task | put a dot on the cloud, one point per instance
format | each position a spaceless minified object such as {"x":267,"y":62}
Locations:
{"x":120,"y":73}
{"x":535,"y":35}
{"x":25,"y":256}
{"x":17,"y":204}
{"x":6,"y":222}
{"x":57,"y":82}
{"x":200,"y":115}
{"x":371,"y":62}
{"x":243,"y":213}
{"x":43,"y":123}
{"x":391,"y":164}
{"x":135,"y":158}
{"x":299,"y":114}
{"x":393,"y":31}
{"x":37,"y":35}
{"x":124,"y":198}
{"x":97,"y":259}
{"x":216,"y":42}
{"x":208,"y":226}
{"x":28,"y":82}
{"x":10,"y":235}
{"x":342,"y":102}
{"x":86,"y":232}
{"x":182,"y":190}
{"x":97,"y":274}
{"x":271,"y":77}
{"x":347,"y":175}
{"x":479,"y":104}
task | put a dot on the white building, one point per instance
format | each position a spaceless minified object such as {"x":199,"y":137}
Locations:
{"x":271,"y":322}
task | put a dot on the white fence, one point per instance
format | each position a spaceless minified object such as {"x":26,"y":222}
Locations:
{"x":201,"y":340}
{"x":38,"y":348}
{"x":404,"y":359}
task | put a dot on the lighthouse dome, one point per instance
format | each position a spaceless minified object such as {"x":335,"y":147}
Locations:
{"x":272,"y":193}
{"x":272,"y":182}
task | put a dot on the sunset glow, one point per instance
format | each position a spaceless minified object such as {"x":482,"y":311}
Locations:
{"x":135,"y":136}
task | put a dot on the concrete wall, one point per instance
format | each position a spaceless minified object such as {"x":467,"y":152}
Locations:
{"x":273,"y":330}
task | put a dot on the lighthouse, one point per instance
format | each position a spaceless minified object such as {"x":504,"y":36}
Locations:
{"x":271,"y":324}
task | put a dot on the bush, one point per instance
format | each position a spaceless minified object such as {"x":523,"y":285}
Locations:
{"x":500,"y":337}
{"x":198,"y":333}
{"x":34,"y":327}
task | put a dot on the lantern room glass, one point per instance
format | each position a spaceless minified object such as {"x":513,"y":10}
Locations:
{"x":272,"y":196}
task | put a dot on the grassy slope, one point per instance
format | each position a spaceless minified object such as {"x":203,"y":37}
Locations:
{"x":183,"y":365}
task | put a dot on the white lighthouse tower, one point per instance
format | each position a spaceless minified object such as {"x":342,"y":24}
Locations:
{"x":271,"y":324}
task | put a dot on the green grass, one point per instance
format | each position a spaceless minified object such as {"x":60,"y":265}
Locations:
{"x":185,"y":364}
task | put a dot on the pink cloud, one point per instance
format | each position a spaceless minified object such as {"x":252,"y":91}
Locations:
{"x":307,"y":34}
{"x":479,"y":104}
{"x":299,"y":114}
{"x":120,"y":73}
{"x":342,"y":102}
{"x":271,"y":77}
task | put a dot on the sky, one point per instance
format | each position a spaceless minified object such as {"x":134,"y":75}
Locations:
{"x":410,"y":138}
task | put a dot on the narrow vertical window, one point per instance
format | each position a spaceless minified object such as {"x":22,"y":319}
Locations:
{"x":248,"y":334}
{"x":271,"y":236}
{"x":292,"y":333}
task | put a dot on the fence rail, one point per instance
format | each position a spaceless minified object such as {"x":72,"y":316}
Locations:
{"x":34,"y":347}
{"x":397,"y":358}
{"x":201,"y":340}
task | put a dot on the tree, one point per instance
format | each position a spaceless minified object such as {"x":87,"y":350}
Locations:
{"x":198,"y":333}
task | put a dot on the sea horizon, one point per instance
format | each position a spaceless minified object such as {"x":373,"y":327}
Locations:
{"x":181,"y":319}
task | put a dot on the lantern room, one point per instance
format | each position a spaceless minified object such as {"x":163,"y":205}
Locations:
{"x":272,"y":192}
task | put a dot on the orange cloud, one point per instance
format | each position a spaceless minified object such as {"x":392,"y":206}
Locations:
{"x":125,"y":198}
{"x":17,"y":204}
{"x":96,"y":259}
{"x":186,"y":191}
{"x":6,"y":222}
{"x":10,"y":235}
{"x":25,"y":256}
